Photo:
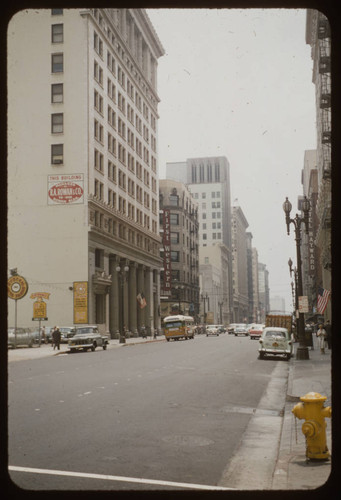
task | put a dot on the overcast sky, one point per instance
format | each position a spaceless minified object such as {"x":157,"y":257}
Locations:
{"x":238,"y":83}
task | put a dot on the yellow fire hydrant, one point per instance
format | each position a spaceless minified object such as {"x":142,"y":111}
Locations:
{"x":314,"y":427}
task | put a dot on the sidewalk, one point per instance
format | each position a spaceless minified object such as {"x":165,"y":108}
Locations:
{"x":292,"y":470}
{"x":46,"y":350}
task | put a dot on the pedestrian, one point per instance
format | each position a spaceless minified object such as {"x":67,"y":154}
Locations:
{"x":143,"y":332}
{"x":328,"y":328}
{"x":321,"y":334}
{"x":56,"y":336}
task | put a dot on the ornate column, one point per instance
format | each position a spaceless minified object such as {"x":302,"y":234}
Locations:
{"x":132,"y":299}
{"x":149,"y":315}
{"x":140,"y":289}
{"x":113,"y":300}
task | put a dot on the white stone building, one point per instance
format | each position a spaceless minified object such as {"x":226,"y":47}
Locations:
{"x":82,"y":164}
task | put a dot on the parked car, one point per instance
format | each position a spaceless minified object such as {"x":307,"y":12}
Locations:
{"x":241,"y":329}
{"x":87,"y":337}
{"x":276,"y":341}
{"x":67,"y":332}
{"x":256,"y":331}
{"x":23,"y":337}
{"x":212,"y":330}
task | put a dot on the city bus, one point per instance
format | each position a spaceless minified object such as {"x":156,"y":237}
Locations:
{"x":179,"y":326}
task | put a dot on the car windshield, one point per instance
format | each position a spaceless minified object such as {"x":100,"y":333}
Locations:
{"x":86,"y":330}
{"x":275,"y":334}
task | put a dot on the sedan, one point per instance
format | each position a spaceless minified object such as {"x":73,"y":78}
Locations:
{"x":241,"y":329}
{"x":212,"y":330}
{"x":255,"y":331}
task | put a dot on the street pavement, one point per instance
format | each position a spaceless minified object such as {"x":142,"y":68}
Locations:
{"x":292,"y":470}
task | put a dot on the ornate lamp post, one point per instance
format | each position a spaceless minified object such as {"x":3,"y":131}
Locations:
{"x":302,"y":350}
{"x":204,"y":298}
{"x":122,"y":275}
{"x":294,"y":290}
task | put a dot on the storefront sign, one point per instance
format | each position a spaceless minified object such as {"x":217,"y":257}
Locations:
{"x":65,"y":189}
{"x":167,"y":267}
{"x":80,"y":302}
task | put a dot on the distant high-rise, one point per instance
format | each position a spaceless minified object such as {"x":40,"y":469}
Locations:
{"x":208,"y":180}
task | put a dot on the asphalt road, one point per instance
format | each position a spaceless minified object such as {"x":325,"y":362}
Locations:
{"x":164,"y":415}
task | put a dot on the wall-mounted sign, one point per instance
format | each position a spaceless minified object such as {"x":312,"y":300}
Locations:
{"x":17,"y":287}
{"x":66,"y":189}
{"x":80,"y":302}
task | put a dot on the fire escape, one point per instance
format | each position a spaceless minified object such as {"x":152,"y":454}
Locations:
{"x":323,"y":31}
{"x":324,"y":197}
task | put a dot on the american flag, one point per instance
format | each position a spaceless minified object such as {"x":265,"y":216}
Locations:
{"x":322,"y":299}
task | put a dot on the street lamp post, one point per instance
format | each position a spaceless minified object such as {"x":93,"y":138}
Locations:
{"x":122,"y":274}
{"x":302,"y":350}
{"x":204,"y":298}
{"x":294,"y":285}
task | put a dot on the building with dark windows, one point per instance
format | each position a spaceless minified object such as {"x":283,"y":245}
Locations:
{"x":208,"y":180}
{"x":83,"y":167}
{"x":318,"y":36}
{"x":179,"y":226}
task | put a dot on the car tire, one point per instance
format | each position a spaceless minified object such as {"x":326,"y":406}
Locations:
{"x":104,"y":347}
{"x":93,"y":347}
{"x":261,"y":355}
{"x":72,"y":350}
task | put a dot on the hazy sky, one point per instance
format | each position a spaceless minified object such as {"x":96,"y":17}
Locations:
{"x":238,"y":83}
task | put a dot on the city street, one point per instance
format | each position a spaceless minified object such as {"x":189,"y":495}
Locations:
{"x":164,"y":415}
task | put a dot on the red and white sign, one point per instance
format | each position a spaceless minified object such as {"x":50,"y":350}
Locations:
{"x":66,"y":189}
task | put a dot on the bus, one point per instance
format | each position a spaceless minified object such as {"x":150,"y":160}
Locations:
{"x":179,"y":326}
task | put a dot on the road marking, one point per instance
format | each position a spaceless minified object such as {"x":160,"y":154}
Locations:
{"x":116,"y":478}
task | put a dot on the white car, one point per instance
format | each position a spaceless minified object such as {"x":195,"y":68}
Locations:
{"x":241,"y":329}
{"x":212,"y":330}
{"x":276,"y":341}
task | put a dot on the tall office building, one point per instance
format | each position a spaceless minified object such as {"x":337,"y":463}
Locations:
{"x":208,"y":180}
{"x":82,"y":165}
{"x":318,"y":36}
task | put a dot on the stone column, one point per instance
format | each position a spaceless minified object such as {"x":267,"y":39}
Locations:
{"x":157,"y":317}
{"x":149,"y":314}
{"x":140,"y":289}
{"x":113,"y":300}
{"x":132,"y":299}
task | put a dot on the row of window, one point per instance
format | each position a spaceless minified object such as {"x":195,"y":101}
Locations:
{"x":214,"y":194}
{"x":123,"y":232}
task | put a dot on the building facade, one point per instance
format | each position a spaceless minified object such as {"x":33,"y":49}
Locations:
{"x":208,"y":179}
{"x":179,"y":229}
{"x":264,"y":291}
{"x":240,"y":270}
{"x":318,"y":36}
{"x":213,"y":271}
{"x":83,"y":167}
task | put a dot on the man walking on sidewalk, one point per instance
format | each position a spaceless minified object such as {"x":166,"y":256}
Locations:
{"x":56,"y":336}
{"x":328,"y":328}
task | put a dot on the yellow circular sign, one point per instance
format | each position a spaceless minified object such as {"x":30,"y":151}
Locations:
{"x":17,"y":287}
